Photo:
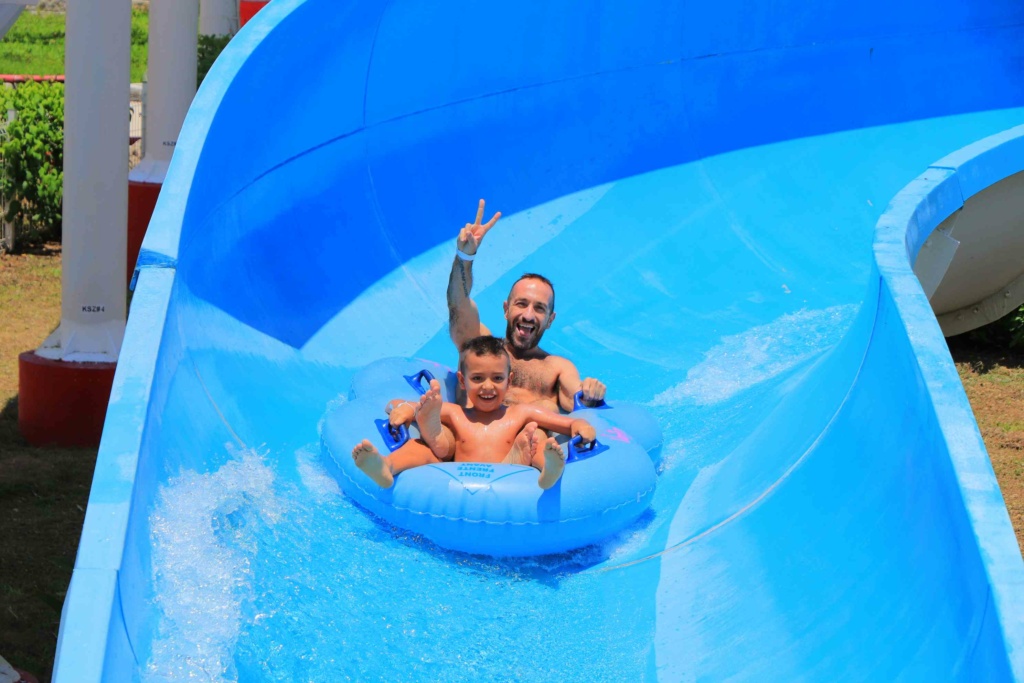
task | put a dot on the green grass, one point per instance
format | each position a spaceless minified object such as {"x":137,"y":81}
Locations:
{"x":35,"y":44}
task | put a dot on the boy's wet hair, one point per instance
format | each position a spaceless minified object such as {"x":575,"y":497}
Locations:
{"x":484,"y":345}
{"x":534,"y":276}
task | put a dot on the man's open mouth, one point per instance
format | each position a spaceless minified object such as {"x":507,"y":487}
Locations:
{"x":525,"y":329}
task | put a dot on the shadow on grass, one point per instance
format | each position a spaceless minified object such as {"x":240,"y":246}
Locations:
{"x":38,"y":248}
{"x":9,"y":433}
{"x":982,"y":357}
{"x":44,"y":493}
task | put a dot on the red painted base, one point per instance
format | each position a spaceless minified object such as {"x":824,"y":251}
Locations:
{"x":248,"y":8}
{"x":141,"y":202}
{"x":62,"y":404}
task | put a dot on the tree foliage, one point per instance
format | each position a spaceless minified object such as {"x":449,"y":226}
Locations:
{"x":32,"y":149}
{"x":210,"y":48}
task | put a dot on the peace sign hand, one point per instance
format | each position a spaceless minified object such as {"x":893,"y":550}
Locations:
{"x":472,"y":235}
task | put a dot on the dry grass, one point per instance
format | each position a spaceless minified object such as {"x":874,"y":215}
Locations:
{"x":29,"y":307}
{"x":994,"y":380}
{"x":43,"y":491}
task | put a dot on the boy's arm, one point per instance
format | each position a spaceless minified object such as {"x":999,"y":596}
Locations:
{"x":400,"y":411}
{"x":569,"y":383}
{"x":440,"y":436}
{"x":463,"y":315}
{"x":556,"y":422}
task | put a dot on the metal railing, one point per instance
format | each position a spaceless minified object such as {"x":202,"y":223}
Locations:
{"x":136,"y":129}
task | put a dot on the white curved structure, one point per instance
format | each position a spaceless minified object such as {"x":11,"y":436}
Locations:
{"x":985,"y":276}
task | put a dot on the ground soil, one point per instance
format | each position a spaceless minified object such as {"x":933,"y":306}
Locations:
{"x":43,"y":492}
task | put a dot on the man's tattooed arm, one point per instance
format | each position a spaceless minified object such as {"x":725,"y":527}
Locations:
{"x":463,"y":317}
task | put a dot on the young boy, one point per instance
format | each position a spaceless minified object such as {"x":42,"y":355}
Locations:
{"x":488,"y":432}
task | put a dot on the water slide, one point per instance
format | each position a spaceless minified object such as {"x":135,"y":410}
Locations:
{"x":729,"y":197}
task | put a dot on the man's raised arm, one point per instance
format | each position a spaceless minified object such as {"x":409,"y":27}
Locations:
{"x":463,"y":316}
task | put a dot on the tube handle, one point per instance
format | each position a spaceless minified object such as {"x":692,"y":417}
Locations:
{"x":578,"y":404}
{"x":417,"y":383}
{"x":394,"y":437}
{"x":575,"y":450}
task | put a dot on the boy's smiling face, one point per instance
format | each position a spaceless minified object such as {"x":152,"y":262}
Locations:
{"x":485,"y":379}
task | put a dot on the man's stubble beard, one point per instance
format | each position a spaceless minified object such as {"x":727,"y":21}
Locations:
{"x":510,"y":336}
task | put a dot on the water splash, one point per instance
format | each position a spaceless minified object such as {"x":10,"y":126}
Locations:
{"x":296,"y":582}
{"x":321,"y":485}
{"x":743,"y":360}
{"x":203,"y":546}
{"x":331,"y":406}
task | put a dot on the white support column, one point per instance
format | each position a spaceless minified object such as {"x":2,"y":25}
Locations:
{"x":96,"y":67}
{"x":171,"y":82}
{"x":218,"y":17}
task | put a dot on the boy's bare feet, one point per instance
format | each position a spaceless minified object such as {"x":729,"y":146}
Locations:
{"x":372,"y":464}
{"x":523,"y":447}
{"x":429,"y":420}
{"x":554,"y":464}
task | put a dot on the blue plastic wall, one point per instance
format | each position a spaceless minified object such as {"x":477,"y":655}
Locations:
{"x":703,"y":182}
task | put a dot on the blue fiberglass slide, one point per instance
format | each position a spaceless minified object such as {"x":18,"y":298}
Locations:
{"x":728,"y":197}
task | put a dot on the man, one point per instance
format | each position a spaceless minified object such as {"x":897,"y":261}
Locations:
{"x":537,"y":376}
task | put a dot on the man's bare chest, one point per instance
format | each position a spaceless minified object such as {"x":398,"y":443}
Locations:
{"x":536,"y":377}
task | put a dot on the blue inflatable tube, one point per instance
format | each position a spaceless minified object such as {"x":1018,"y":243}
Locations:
{"x":493,"y":509}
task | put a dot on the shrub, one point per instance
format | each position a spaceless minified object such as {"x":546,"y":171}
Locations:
{"x":140,"y":42}
{"x":32,"y":149}
{"x":210,"y":48}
